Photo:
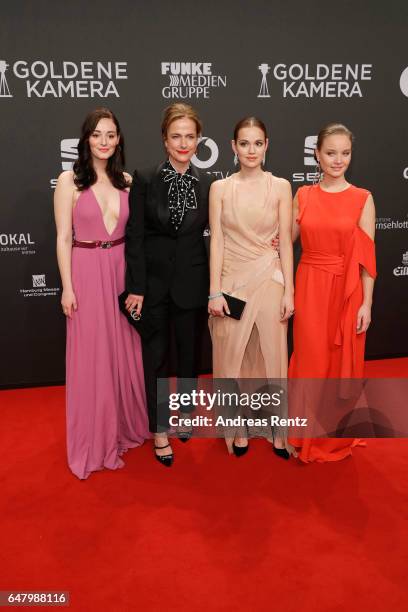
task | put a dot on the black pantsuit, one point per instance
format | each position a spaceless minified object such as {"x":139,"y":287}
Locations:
{"x":170,"y":269}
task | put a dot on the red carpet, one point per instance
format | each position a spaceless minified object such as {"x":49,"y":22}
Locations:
{"x":212,"y":533}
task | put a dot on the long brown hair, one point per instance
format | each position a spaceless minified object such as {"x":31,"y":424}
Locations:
{"x":84,"y":172}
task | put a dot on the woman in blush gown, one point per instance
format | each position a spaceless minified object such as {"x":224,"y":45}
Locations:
{"x":334,"y":283}
{"x":105,"y":399}
{"x":246,"y":212}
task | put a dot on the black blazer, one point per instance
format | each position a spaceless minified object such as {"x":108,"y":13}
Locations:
{"x":161,"y":260}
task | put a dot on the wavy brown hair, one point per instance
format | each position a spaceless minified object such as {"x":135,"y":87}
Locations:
{"x":84,"y":172}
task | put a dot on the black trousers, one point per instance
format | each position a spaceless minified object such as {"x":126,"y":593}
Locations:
{"x":156,"y":357}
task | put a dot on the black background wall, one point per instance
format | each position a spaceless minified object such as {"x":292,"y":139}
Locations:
{"x":323,"y":62}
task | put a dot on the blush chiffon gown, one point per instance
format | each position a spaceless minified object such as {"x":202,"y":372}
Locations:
{"x":255,"y":347}
{"x":328,"y":294}
{"x":105,"y":398}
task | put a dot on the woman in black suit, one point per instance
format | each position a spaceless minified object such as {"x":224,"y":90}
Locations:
{"x":167,"y":266}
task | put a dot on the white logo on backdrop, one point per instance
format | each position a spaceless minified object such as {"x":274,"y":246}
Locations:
{"x":404,"y":82}
{"x":318,"y":80}
{"x":402,"y":270}
{"x":17,"y":243}
{"x":190,"y":79}
{"x":39,"y":280}
{"x":264,"y":91}
{"x":66,"y":79}
{"x":310,"y":146}
{"x":210,"y":144}
{"x":69,"y":151}
{"x":39,"y":288}
{"x":387,"y":223}
{"x":308,"y":160}
{"x":4,"y":88}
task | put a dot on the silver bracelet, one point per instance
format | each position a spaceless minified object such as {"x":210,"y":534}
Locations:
{"x":211,"y":297}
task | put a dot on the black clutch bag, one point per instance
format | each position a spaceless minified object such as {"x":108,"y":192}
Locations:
{"x":235,"y":306}
{"x":142,"y":323}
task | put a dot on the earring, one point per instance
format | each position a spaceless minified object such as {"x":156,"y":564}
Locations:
{"x":264,"y":159}
{"x":236,"y":160}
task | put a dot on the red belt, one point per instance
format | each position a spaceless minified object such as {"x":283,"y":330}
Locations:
{"x":324,"y":261}
{"x":98,"y":243}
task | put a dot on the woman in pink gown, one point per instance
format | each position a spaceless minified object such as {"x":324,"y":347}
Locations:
{"x":105,"y":399}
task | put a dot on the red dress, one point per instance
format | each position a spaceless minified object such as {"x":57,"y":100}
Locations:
{"x":328,"y":294}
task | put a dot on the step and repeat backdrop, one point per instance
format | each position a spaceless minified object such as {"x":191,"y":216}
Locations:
{"x":295,"y":65}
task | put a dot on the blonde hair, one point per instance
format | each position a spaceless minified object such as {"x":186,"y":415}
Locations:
{"x":330,"y":130}
{"x":179,"y":110}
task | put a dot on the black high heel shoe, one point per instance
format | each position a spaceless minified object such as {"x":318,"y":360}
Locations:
{"x":166,"y":460}
{"x":283,"y":453}
{"x":240,"y":451}
{"x":184,"y":433}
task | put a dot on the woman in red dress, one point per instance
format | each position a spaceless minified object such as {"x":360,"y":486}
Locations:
{"x":334,"y":280}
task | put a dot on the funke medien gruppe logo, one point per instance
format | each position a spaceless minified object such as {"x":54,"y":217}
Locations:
{"x":190,"y":80}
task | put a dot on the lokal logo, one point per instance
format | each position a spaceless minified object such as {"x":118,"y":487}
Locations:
{"x":318,"y":80}
{"x":402,"y":270}
{"x":40,"y":288}
{"x":38,"y":280}
{"x":65,"y":78}
{"x":211,"y":145}
{"x":4,"y":88}
{"x":308,"y":160}
{"x":17,"y":243}
{"x":190,"y":79}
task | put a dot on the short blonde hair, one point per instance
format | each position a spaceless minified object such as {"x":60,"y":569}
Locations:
{"x":179,"y":110}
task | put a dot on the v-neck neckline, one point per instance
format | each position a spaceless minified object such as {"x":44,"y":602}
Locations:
{"x":100,"y":210}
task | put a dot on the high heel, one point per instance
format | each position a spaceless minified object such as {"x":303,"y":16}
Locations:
{"x":240,"y":451}
{"x":283,"y":453}
{"x":166,"y":460}
{"x":184,"y":435}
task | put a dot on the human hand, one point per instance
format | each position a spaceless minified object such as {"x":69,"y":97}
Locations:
{"x":134,"y":302}
{"x":217,"y":306}
{"x":68,"y":303}
{"x":287,"y":307}
{"x":275,"y":242}
{"x":363,"y":318}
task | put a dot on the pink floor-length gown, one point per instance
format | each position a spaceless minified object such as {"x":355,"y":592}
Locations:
{"x":106,"y":406}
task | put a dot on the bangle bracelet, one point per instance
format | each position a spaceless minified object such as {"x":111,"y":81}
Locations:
{"x":219,"y":294}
